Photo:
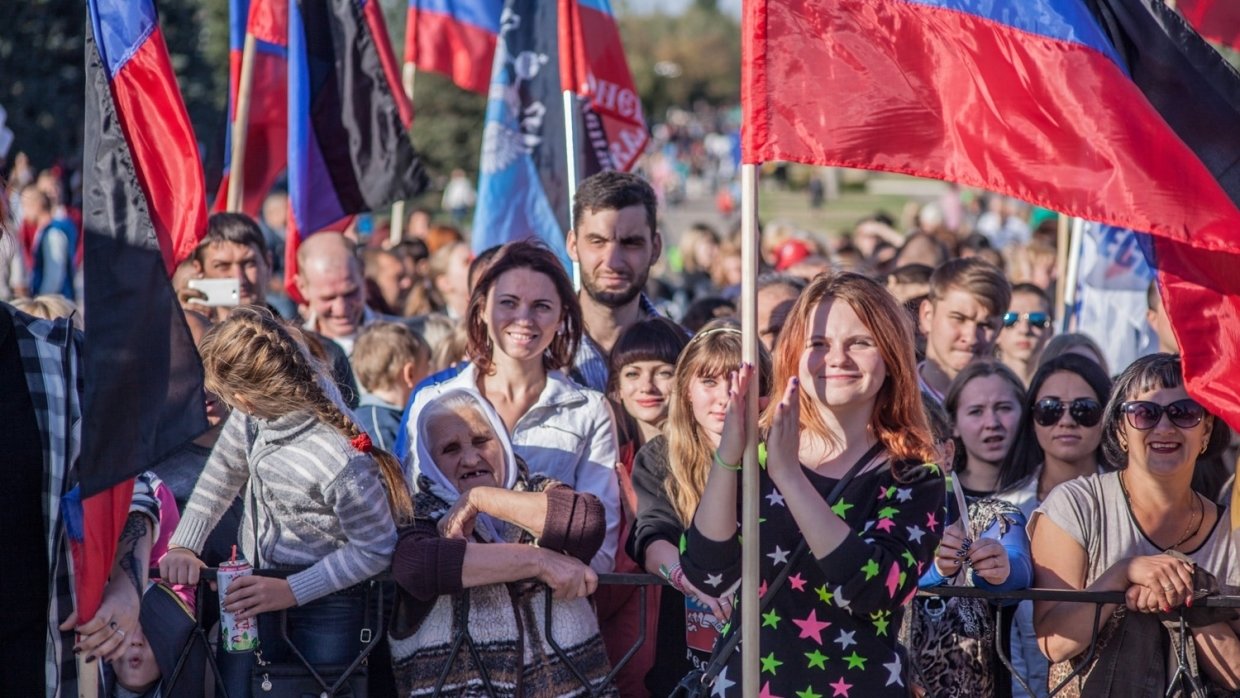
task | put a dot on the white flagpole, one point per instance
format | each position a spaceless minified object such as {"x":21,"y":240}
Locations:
{"x":397,"y":229}
{"x":1073,"y":273}
{"x":570,"y":142}
{"x":750,"y":570}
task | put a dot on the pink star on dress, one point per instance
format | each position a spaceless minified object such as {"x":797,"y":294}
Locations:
{"x":931,"y":522}
{"x":766,"y":691}
{"x":811,"y":627}
{"x":893,"y":580}
{"x":797,"y":582}
{"x":762,"y":589}
{"x":841,"y":688}
{"x":885,"y":525}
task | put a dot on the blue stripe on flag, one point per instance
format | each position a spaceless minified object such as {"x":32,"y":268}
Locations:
{"x":1062,"y":20}
{"x":120,"y":29}
{"x":483,"y":14}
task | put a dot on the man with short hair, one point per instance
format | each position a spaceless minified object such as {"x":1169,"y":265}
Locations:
{"x":961,"y":319}
{"x":1159,"y":321}
{"x":234,"y":248}
{"x":776,"y":295}
{"x":329,"y":277}
{"x":388,"y":283}
{"x":615,"y":240}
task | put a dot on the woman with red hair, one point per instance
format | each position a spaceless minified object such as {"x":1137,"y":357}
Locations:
{"x":850,"y":412}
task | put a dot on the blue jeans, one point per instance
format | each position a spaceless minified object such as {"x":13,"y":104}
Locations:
{"x":326,"y":631}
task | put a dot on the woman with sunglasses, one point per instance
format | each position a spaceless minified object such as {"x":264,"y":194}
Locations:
{"x":1026,"y":329}
{"x":1059,"y":439}
{"x":1118,"y":531}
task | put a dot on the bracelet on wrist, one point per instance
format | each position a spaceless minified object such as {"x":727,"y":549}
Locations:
{"x":719,"y":462}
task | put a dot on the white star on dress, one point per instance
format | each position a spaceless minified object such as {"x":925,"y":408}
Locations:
{"x":845,"y":639}
{"x":904,"y":494}
{"x":893,"y":672}
{"x":775,"y":498}
{"x":915,"y":533}
{"x":780,"y":556}
{"x":722,"y":684}
{"x":714,"y":579}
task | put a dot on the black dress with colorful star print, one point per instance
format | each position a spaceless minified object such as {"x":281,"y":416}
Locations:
{"x":831,"y":630}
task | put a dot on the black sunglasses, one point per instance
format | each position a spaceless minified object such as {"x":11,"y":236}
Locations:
{"x":1144,"y":415}
{"x":1084,"y":411}
{"x":1035,"y":319}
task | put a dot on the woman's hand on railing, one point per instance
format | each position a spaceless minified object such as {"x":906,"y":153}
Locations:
{"x":180,"y":566}
{"x":1168,"y":580}
{"x":953,"y":547}
{"x":251,"y":595}
{"x":568,"y":577}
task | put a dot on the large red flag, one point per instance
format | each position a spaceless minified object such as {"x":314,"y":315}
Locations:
{"x":1111,"y":111}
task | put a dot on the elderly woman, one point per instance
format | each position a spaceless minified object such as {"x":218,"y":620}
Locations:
{"x":487,"y":533}
{"x":1141,"y":530}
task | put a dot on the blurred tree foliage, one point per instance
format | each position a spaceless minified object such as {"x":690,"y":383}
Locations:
{"x":685,"y":59}
{"x":42,"y":62}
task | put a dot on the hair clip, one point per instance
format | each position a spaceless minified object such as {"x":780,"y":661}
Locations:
{"x":362,"y":443}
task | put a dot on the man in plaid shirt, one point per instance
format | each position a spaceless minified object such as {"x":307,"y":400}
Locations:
{"x":40,"y":427}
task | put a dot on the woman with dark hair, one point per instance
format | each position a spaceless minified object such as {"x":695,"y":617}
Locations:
{"x":639,"y":385}
{"x":1059,"y":439}
{"x":524,"y":326}
{"x":850,"y":413}
{"x":1142,"y":530}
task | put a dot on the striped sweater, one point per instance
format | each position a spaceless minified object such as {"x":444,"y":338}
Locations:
{"x":317,"y":503}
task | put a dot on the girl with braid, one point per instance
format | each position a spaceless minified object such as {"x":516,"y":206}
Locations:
{"x":319,"y":498}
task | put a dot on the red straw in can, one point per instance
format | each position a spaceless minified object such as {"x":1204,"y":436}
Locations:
{"x":234,"y":554}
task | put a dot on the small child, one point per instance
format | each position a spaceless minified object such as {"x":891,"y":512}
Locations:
{"x":155,"y":650}
{"x":389,"y":359}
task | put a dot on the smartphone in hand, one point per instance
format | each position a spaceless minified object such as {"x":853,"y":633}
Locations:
{"x":218,"y":292}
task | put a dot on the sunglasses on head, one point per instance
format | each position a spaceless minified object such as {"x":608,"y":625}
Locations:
{"x":1083,"y":410}
{"x":1144,"y":415}
{"x":1034,"y":319}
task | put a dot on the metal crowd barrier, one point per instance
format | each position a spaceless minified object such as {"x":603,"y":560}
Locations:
{"x":463,"y":637}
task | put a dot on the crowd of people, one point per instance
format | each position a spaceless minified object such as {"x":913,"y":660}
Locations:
{"x":494,"y":440}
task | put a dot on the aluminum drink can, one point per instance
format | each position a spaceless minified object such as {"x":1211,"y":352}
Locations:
{"x":237,"y":635}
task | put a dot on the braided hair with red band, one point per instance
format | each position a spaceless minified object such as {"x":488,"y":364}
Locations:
{"x":362,"y":443}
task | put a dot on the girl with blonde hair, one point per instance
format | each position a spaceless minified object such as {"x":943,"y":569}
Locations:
{"x":318,"y":497}
{"x":669,"y":475}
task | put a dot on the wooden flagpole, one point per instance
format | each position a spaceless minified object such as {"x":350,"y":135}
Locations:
{"x":750,"y":570}
{"x":396,"y":232}
{"x":241,"y":125}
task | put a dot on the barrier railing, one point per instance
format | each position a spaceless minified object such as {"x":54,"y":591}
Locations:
{"x":464,"y":639}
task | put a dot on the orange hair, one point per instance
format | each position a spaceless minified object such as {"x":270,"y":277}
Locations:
{"x":898,"y":420}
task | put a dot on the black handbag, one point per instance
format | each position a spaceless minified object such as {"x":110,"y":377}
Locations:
{"x":697,"y":683}
{"x":298,"y":679}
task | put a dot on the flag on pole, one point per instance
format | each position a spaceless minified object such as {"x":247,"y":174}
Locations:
{"x":523,"y":185}
{"x":593,"y":65}
{"x":1216,"y":20}
{"x":348,"y":134}
{"x":1111,"y":293}
{"x":1110,"y":111}
{"x":266,"y":143}
{"x":145,"y":210}
{"x":455,"y":38}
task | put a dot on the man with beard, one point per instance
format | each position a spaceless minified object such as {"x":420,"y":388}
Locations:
{"x":615,"y":239}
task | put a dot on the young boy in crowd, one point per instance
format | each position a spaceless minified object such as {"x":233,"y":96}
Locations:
{"x":389,"y":359}
{"x":961,"y":319}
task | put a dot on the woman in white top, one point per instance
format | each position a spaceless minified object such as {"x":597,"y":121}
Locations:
{"x":524,"y":326}
{"x":1116,"y":531}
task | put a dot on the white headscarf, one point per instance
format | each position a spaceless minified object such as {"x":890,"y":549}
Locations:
{"x":489,"y":528}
